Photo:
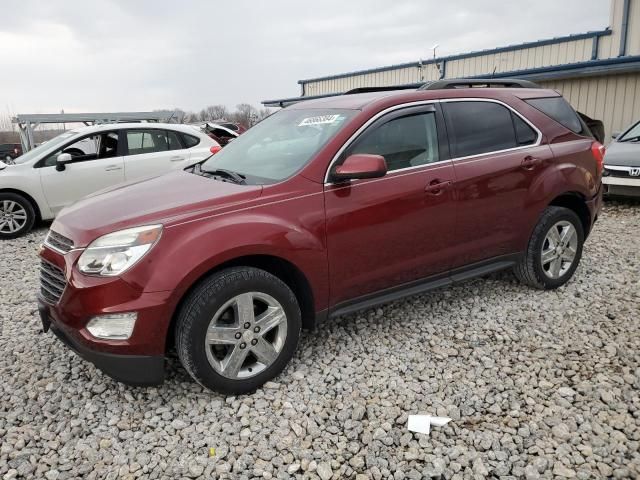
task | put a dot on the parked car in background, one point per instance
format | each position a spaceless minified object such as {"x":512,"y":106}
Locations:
{"x":79,"y":162}
{"x":622,"y":163}
{"x":9,"y":151}
{"x":222,"y":133}
{"x":325,"y":207}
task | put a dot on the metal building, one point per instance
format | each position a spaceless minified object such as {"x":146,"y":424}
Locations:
{"x":597,"y":72}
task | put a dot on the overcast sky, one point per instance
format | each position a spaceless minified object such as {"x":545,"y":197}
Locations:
{"x":141,"y":55}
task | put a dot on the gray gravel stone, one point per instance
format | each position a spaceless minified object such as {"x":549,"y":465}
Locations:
{"x":539,"y":384}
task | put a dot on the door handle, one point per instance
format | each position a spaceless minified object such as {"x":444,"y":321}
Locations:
{"x":529,"y":162}
{"x":111,"y":168}
{"x":436,"y":187}
{"x":176,"y":159}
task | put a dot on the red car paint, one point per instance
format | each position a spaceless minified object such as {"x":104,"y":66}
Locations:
{"x":348,"y":241}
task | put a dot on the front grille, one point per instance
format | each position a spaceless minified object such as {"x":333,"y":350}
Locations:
{"x":58,"y":242}
{"x":52,"y":282}
{"x":623,"y":172}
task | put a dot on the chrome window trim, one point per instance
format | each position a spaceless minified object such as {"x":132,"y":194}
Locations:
{"x":368,"y":123}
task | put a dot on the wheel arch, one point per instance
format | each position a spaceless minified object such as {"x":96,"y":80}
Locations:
{"x":28,"y":197}
{"x":286,"y":271}
{"x":576,"y":202}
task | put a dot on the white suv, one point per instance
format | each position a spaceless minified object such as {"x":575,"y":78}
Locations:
{"x":79,"y":162}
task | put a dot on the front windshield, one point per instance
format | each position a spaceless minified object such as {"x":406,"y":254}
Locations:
{"x":631,"y":135}
{"x":54,"y":142}
{"x":280,"y":145}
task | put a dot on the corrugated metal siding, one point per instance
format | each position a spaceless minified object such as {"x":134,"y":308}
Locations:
{"x":398,"y":76}
{"x":614,"y":99}
{"x":544,"y":56}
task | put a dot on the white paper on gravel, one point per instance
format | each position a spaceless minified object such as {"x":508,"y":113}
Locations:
{"x":423,"y":423}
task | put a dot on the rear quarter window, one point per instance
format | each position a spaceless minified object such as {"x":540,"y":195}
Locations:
{"x":190,"y":140}
{"x":558,"y":109}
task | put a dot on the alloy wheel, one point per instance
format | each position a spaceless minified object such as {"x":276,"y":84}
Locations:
{"x":13,"y":216}
{"x":246,"y":335}
{"x":559,"y":249}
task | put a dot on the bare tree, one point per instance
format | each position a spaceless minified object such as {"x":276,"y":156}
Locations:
{"x":217,"y":112}
{"x":264,"y":113}
{"x":245,"y":115}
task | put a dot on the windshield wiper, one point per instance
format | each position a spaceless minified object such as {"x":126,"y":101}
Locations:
{"x":223,"y":172}
{"x":631,"y":139}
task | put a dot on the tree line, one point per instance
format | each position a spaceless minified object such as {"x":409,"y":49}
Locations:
{"x":244,"y":114}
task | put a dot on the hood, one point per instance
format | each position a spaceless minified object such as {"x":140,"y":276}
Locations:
{"x":165,"y":199}
{"x":624,"y":154}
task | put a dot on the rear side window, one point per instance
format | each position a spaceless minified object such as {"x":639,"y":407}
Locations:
{"x":147,"y":141}
{"x":480,"y":127}
{"x":190,"y":140}
{"x":173,"y":139}
{"x":558,"y":109}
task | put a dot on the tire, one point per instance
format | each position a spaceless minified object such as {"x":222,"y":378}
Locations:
{"x":212,"y":336}
{"x":17,"y":215}
{"x":556,"y":268}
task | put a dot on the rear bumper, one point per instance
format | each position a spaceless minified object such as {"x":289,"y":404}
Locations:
{"x":129,"y":369}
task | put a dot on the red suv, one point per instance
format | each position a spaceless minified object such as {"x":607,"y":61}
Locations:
{"x":326,"y":207}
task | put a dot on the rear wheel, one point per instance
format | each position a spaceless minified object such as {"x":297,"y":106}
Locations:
{"x":554,"y":250}
{"x":17,"y":215}
{"x":238,"y":329}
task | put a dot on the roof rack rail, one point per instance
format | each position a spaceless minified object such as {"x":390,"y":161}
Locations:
{"x":388,"y":88}
{"x":479,"y":83}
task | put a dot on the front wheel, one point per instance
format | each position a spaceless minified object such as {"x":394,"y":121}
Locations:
{"x":17,"y":215}
{"x":238,"y":329}
{"x":554,"y":250}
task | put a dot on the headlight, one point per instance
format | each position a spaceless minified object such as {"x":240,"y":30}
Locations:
{"x":116,"y":252}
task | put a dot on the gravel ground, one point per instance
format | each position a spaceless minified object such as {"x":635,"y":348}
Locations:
{"x":538,"y":384}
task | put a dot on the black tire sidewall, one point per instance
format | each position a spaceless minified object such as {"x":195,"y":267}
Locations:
{"x":31,"y":214}
{"x":256,"y":281}
{"x":560,"y":215}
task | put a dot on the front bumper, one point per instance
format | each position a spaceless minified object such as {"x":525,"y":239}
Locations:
{"x":130,"y":369}
{"x":621,"y":186}
{"x":139,"y":360}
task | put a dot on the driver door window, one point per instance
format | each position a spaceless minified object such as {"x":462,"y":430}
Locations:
{"x":93,"y":147}
{"x":404,"y":142}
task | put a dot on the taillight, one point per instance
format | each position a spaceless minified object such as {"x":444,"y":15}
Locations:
{"x":598,"y":150}
{"x":215,"y":149}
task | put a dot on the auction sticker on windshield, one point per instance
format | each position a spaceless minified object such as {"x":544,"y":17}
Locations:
{"x":319,"y":120}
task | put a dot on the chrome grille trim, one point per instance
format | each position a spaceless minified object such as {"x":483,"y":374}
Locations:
{"x":58,"y":242}
{"x":52,"y":282}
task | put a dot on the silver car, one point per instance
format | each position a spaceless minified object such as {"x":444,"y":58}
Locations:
{"x":622,"y":164}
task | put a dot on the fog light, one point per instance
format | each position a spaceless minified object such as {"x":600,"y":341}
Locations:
{"x":114,"y":326}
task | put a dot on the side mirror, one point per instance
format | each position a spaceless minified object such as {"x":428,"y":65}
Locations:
{"x":615,"y":135}
{"x":361,"y":165}
{"x":62,"y":160}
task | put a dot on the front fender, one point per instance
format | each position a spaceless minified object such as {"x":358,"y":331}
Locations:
{"x":189,"y":250}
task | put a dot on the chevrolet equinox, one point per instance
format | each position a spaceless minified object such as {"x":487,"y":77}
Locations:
{"x":326,"y":207}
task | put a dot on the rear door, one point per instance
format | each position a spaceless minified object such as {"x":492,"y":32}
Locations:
{"x":153,"y":151}
{"x":497,"y":155}
{"x":385,"y":232}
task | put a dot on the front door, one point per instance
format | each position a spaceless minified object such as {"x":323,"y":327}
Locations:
{"x":397,"y":229}
{"x":97,"y":164}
